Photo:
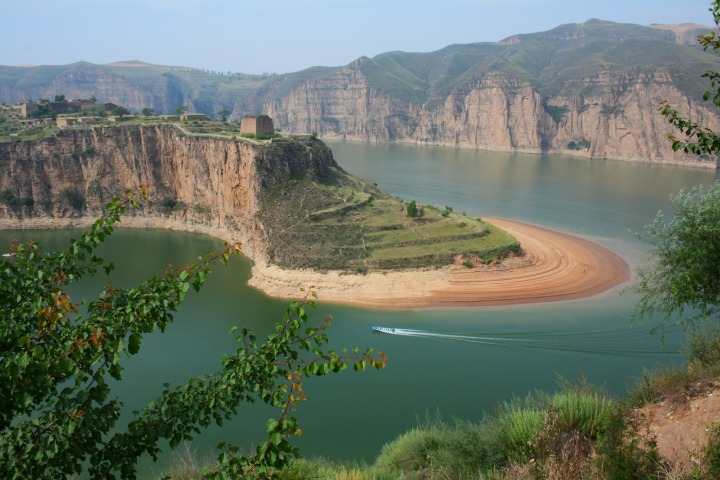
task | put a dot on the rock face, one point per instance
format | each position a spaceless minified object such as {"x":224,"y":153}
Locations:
{"x":607,"y":114}
{"x":210,"y":183}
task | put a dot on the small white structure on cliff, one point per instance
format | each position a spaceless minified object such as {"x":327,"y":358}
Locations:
{"x":257,"y":125}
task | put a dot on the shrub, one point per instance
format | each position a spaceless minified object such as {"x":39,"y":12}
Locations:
{"x":623,"y":452}
{"x":711,"y":459}
{"x":557,"y":113}
{"x":469,"y":263}
{"x":583,"y":144}
{"x":73,"y":198}
{"x":11,"y":200}
{"x":589,"y":412}
{"x":471,"y":448}
{"x":519,"y":424}
{"x":412,"y":210}
{"x":170,"y":204}
{"x":412,"y":450}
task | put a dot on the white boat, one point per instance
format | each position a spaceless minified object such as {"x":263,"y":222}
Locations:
{"x":384,"y":329}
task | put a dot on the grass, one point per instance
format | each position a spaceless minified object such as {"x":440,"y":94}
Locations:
{"x":575,"y":432}
{"x":346,"y":224}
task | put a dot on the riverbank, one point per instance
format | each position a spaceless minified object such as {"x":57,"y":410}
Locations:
{"x":555,"y":266}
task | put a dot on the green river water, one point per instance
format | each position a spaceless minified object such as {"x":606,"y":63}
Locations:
{"x":461,"y":362}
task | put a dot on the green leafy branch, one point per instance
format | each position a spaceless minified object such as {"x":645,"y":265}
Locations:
{"x":699,"y":140}
{"x":56,"y":408}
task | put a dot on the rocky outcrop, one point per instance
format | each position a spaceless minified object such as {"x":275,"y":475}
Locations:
{"x":606,"y":114}
{"x":196,"y":183}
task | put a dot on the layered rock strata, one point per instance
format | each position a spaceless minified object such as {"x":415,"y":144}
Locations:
{"x":203,"y":184}
{"x":605,"y":115}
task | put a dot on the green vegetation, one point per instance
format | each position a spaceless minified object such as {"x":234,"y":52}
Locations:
{"x":264,"y":136}
{"x":557,"y":112}
{"x":682,"y":282}
{"x":8,"y":198}
{"x":61,"y":359}
{"x":344,"y":223}
{"x":577,"y":432}
{"x":582,"y":144}
{"x":73,"y":198}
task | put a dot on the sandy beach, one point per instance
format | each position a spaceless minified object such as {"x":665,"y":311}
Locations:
{"x":555,"y":266}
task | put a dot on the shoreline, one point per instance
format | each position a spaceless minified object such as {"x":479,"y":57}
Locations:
{"x":555,"y":266}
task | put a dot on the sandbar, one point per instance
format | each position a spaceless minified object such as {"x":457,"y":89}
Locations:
{"x":554,"y":266}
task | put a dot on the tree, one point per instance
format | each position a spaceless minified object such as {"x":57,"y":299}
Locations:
{"x":60,"y":98}
{"x":685,"y":274}
{"x":120,"y":111}
{"x":699,"y":140}
{"x":684,"y":277}
{"x":223,"y":112}
{"x":181,"y":109}
{"x":148,"y":112}
{"x":59,"y":359}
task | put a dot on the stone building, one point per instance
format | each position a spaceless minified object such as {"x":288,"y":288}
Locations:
{"x":257,"y":125}
{"x":194,"y":116}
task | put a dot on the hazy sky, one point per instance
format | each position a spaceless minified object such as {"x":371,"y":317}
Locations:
{"x":289,"y":35}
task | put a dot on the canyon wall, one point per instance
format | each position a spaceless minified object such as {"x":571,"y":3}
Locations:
{"x":609,"y":114}
{"x":196,"y":183}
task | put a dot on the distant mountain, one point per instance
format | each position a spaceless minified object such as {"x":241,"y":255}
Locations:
{"x":589,"y":89}
{"x":133,"y":84}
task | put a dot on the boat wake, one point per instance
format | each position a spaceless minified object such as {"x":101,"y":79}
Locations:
{"x":608,"y":342}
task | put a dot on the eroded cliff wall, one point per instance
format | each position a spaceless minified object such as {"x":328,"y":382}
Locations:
{"x":609,"y":114}
{"x":210,"y":183}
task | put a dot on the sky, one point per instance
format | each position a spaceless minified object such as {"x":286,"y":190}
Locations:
{"x":280,"y":36}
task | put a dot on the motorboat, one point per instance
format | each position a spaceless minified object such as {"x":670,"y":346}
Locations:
{"x":384,"y":329}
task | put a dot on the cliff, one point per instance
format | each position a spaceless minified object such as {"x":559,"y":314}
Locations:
{"x":604,"y":114}
{"x":589,"y":89}
{"x":197,"y":183}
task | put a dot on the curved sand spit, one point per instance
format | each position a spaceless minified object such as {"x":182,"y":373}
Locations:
{"x":556,"y":266}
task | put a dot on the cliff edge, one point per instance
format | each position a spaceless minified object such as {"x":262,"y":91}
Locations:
{"x":197,"y":183}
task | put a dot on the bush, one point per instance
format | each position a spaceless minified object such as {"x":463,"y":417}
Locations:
{"x":73,"y":198}
{"x":583,"y":144}
{"x":412,"y":450}
{"x":711,"y":460}
{"x":586,"y":411}
{"x":412,"y":210}
{"x":11,"y":200}
{"x":519,"y":424}
{"x":557,"y":113}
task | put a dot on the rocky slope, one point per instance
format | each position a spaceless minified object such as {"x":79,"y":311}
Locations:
{"x":591,"y":90}
{"x":196,"y":183}
{"x":495,"y":111}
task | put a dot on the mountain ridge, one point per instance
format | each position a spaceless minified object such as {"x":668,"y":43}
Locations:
{"x":589,"y":89}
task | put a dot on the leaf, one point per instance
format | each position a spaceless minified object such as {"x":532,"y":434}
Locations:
{"x":272,"y":424}
{"x":134,"y":343}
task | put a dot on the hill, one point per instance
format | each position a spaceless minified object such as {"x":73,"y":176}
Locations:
{"x":589,"y":89}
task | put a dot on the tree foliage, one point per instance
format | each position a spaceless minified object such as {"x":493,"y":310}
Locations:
{"x":685,"y":274}
{"x":59,"y":359}
{"x":699,"y":140}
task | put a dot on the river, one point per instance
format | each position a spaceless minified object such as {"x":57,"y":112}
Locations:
{"x":460,"y":362}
